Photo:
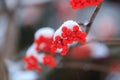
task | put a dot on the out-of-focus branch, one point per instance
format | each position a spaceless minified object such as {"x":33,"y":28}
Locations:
{"x":6,"y":9}
{"x":107,"y":41}
{"x":86,"y":66}
{"x":11,"y":37}
{"x":5,"y":6}
{"x":3,"y":70}
{"x":11,"y":34}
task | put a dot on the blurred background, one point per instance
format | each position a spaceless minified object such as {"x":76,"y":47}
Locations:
{"x":97,"y":60}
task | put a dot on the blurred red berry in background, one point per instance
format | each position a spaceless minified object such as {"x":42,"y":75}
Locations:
{"x":49,"y":61}
{"x":76,"y":4}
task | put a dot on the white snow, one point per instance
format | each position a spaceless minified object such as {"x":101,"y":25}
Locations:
{"x":40,"y":57}
{"x":70,"y":24}
{"x":24,"y":75}
{"x":31,"y":51}
{"x":57,"y":33}
{"x":42,"y":45}
{"x":47,"y":32}
{"x":16,"y":71}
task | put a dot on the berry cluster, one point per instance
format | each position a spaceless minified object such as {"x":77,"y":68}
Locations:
{"x":43,"y":43}
{"x":84,"y":3}
{"x":43,"y":39}
{"x":68,"y":33}
{"x":32,"y":63}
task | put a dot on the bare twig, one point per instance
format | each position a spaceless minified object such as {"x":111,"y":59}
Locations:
{"x":93,"y":18}
{"x":82,"y":24}
{"x":88,"y":26}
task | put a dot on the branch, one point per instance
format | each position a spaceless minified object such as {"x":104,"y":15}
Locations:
{"x":11,"y":34}
{"x":107,"y":41}
{"x":93,"y":18}
{"x":3,"y":69}
{"x":86,"y":66}
{"x":88,"y":26}
{"x":82,"y":24}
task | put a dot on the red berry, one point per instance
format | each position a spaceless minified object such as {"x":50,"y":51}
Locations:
{"x":38,"y":68}
{"x":25,"y":59}
{"x":33,"y":59}
{"x":29,"y":67}
{"x":46,"y":60}
{"x":53,"y":64}
{"x":73,"y":34}
{"x":75,"y":28}
{"x":60,"y":45}
{"x":49,"y":61}
{"x":69,"y":33}
{"x":64,"y":35}
{"x":64,"y":52}
{"x":64,"y":41}
{"x":37,"y":48}
{"x":57,"y":38}
{"x":64,"y":29}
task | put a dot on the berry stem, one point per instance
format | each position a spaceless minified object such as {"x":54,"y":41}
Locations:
{"x":97,"y":9}
{"x":82,"y":24}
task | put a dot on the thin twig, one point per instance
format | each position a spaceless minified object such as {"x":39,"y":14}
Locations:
{"x":82,"y":24}
{"x":93,"y":18}
{"x":88,"y":26}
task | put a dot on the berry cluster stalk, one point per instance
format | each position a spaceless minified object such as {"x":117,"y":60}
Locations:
{"x":97,"y":9}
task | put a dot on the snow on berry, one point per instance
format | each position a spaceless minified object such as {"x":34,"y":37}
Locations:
{"x":68,"y":33}
{"x":33,"y":58}
{"x":47,"y":32}
{"x":84,"y":3}
{"x":43,"y":39}
{"x":31,"y":51}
